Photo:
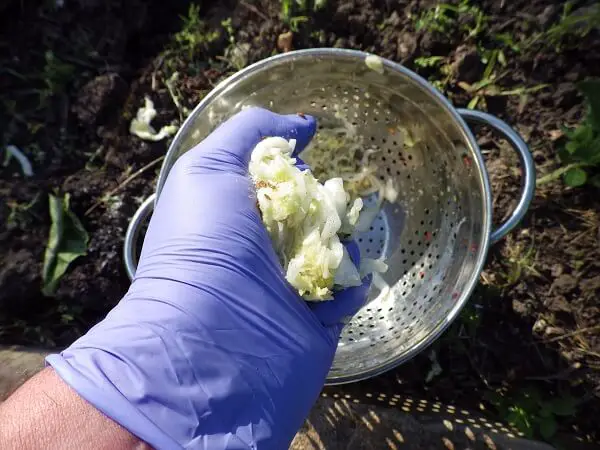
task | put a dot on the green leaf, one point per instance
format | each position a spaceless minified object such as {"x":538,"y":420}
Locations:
{"x":66,"y":242}
{"x":502,"y":58}
{"x":473,"y":103}
{"x":547,"y":427}
{"x":563,"y":406}
{"x":575,"y":177}
{"x":429,"y":61}
{"x":591,"y":90}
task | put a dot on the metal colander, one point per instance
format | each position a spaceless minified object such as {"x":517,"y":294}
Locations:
{"x":435,"y":236}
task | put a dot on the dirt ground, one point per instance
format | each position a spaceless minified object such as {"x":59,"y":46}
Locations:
{"x":72,"y":77}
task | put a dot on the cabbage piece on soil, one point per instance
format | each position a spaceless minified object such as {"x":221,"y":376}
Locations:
{"x":306,"y":220}
{"x":141,"y":127}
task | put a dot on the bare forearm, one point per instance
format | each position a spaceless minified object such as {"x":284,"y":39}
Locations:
{"x":46,"y":413}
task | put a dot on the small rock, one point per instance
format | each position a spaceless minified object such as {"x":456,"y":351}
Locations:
{"x":467,"y":64}
{"x":557,"y":304}
{"x":591,"y":284}
{"x":407,"y":45}
{"x":565,"y":95}
{"x":574,"y":74}
{"x":547,"y":15}
{"x":565,"y":283}
{"x":394,"y":19}
{"x":520,"y":308}
{"x":285,"y":42}
{"x":557,"y":270}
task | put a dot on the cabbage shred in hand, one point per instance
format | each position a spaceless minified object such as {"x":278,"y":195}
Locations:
{"x":305,"y":220}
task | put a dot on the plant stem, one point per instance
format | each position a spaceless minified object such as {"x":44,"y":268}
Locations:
{"x":128,"y":180}
{"x":558,"y":173}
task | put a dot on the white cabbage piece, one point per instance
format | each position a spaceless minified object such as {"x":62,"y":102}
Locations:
{"x":375,"y":63}
{"x":305,"y":220}
{"x":347,"y":274}
{"x":370,"y":265}
{"x":140,"y":125}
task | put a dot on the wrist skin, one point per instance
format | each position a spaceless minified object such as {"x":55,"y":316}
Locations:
{"x":45,"y":413}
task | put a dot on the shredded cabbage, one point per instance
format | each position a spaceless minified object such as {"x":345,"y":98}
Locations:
{"x":305,"y":220}
{"x":375,"y":63}
{"x":140,"y":124}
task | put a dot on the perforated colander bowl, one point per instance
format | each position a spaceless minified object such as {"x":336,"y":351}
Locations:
{"x":435,"y":236}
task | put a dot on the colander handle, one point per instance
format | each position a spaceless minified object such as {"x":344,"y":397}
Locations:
{"x":133,"y":231}
{"x":527,"y":165}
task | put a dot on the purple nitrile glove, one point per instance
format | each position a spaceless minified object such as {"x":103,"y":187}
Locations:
{"x":211,"y":347}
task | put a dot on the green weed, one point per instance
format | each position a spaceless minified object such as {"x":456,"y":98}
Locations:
{"x":494,"y":59}
{"x":177,"y":96}
{"x":520,"y":261}
{"x":443,"y":18}
{"x":295,"y":22}
{"x":443,"y":72}
{"x":21,"y":214}
{"x":194,"y":35}
{"x":581,"y":153}
{"x":229,"y":30}
{"x":295,"y":12}
{"x":429,"y":61}
{"x":531,"y":413}
{"x":440,"y":18}
{"x":573,"y":24}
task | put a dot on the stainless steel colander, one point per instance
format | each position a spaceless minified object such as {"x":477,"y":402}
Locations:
{"x":435,"y":237}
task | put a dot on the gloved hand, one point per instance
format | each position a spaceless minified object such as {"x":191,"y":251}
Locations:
{"x":211,"y":347}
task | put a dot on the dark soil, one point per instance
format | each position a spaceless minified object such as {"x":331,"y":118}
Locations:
{"x":537,"y":317}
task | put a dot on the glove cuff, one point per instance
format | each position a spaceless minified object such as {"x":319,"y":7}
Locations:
{"x":105,"y":397}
